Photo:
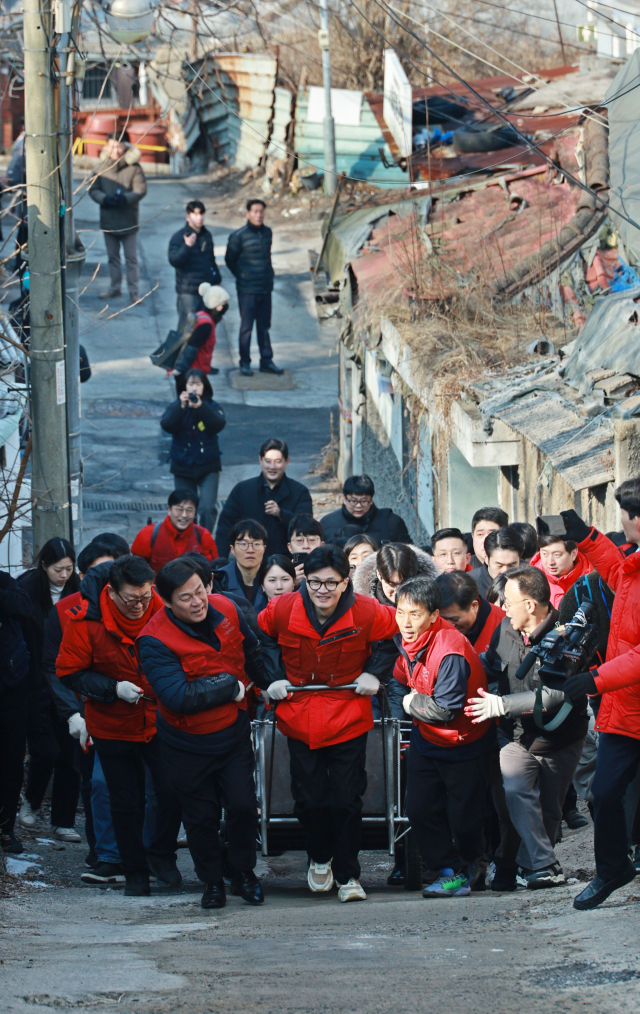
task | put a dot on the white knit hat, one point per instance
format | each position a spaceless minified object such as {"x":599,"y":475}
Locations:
{"x":213,"y":295}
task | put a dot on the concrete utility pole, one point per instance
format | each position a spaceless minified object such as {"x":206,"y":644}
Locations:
{"x":50,"y":464}
{"x":329,"y":125}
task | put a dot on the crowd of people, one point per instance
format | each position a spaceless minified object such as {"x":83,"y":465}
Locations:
{"x":131,"y":676}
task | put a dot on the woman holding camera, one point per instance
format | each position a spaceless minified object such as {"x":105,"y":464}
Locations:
{"x":194,"y":419}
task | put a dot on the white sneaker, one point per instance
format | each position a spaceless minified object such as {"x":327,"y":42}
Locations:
{"x":351,"y":891}
{"x":26,"y":816}
{"x":320,"y":876}
{"x":65,"y":834}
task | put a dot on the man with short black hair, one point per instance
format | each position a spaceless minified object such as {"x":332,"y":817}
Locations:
{"x":248,"y":258}
{"x":450,"y":550}
{"x":562,"y":562}
{"x":503,"y":550}
{"x":165,"y":540}
{"x":485,"y":520}
{"x":271,"y":498}
{"x":248,"y":541}
{"x":325,"y":633}
{"x":98,"y":659}
{"x":360,"y":514}
{"x":537,"y":764}
{"x":464,"y":607}
{"x":200,"y":657}
{"x":191,"y":253}
{"x":305,"y":534}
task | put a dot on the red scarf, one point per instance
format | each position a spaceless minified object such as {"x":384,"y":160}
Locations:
{"x":130,"y":628}
{"x":413,"y":648}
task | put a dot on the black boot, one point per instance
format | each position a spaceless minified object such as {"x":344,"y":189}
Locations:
{"x":214,"y":895}
{"x":166,"y":871}
{"x":137,"y":885}
{"x":574,"y":819}
{"x":246,"y":884}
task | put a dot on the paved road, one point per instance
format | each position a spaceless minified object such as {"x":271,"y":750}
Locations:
{"x":125,"y":453}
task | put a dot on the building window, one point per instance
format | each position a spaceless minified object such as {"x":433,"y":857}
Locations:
{"x":94,"y":79}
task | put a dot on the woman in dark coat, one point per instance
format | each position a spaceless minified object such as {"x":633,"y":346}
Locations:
{"x":194,"y":420}
{"x":51,"y":748}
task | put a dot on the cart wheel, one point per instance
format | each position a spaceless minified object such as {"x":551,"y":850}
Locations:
{"x":412,"y":863}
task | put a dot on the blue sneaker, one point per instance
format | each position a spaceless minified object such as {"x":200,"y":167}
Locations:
{"x":448,"y":885}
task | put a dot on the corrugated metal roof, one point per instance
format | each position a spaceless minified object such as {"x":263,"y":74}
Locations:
{"x":234,"y":101}
{"x":357,"y":148}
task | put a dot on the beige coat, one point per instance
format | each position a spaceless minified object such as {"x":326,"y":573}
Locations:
{"x":126,"y":176}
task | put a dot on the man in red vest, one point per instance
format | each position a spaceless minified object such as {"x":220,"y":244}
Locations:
{"x":325,"y":633}
{"x":449,"y":756}
{"x":464,"y":607}
{"x":177,"y":534}
{"x":199,"y":656}
{"x":98,"y":659}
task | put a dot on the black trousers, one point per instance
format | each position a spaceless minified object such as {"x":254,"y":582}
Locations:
{"x":52,"y":750}
{"x":85,"y":767}
{"x":205,"y":784}
{"x":327,"y":787}
{"x":123,"y":764}
{"x":616,"y":767}
{"x":445,"y":805}
{"x":13,"y":739}
{"x":255,"y":308}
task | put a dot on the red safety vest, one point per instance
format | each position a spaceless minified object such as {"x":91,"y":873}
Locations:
{"x":444,"y":640}
{"x":199,"y":659}
{"x":205,"y":352}
{"x":493,"y":620}
{"x":163,"y":546}
{"x":64,"y":605}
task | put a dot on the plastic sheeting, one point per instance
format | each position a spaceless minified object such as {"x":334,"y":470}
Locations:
{"x":610,"y":340}
{"x":623,"y":103}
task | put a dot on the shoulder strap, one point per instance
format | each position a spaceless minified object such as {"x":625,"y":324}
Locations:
{"x":154,"y":534}
{"x":198,"y":531}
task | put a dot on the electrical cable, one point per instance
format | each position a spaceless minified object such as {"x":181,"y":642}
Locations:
{"x":385,"y":7}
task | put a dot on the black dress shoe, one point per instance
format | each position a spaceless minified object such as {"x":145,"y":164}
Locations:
{"x":396,"y":877}
{"x":574,"y":819}
{"x":246,"y":370}
{"x":599,"y":890}
{"x":137,"y":885}
{"x":270,"y":367}
{"x":504,"y":879}
{"x":214,"y":895}
{"x":246,"y":884}
{"x":11,"y":844}
{"x":166,"y":871}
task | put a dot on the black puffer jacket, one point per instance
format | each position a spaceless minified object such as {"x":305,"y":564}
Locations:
{"x":379,"y":522}
{"x":33,"y":631}
{"x":15,"y":606}
{"x":248,"y":258}
{"x":194,"y":449}
{"x":194,"y":264}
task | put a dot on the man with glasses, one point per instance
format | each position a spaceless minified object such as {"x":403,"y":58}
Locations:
{"x":98,"y":659}
{"x":359,"y":513}
{"x":271,"y":498}
{"x":537,"y":765}
{"x":450,"y":551}
{"x":166,"y":540}
{"x":248,"y":542}
{"x":325,"y":633}
{"x":305,"y":534}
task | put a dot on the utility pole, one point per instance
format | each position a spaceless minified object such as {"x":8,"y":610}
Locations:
{"x":329,"y":126}
{"x":50,"y":464}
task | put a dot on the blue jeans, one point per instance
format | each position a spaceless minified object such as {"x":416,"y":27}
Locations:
{"x":106,"y":848}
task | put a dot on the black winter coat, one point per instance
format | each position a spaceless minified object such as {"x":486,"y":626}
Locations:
{"x":15,"y":606}
{"x":194,"y":264}
{"x":379,"y":522}
{"x":247,"y":500}
{"x":248,"y":258}
{"x":194,"y":449}
{"x":33,"y":631}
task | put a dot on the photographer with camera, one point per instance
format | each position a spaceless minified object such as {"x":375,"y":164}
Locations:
{"x":537,"y":764}
{"x":618,"y":680}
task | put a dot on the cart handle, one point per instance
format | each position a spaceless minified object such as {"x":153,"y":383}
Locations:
{"x":320,"y":686}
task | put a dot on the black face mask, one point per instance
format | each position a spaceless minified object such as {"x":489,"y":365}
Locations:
{"x":217,"y":315}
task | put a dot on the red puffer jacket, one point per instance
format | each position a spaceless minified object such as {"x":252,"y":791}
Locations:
{"x":560,"y":585}
{"x":323,"y":718}
{"x":618,"y":680}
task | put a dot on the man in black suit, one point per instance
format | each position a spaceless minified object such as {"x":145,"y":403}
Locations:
{"x":272,"y":499}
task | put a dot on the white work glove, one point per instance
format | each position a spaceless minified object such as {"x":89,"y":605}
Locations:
{"x":240,"y":695}
{"x":367,"y":685}
{"x":78,"y":729}
{"x":278,"y":690}
{"x":406,"y":701}
{"x":128,"y":692}
{"x":480,"y":709}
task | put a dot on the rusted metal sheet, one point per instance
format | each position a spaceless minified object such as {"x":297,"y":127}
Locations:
{"x":280,"y":122}
{"x":233,"y":94}
{"x":357,"y":147}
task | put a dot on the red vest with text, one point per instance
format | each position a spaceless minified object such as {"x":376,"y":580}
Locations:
{"x":199,"y":659}
{"x":445,"y":640}
{"x":205,"y":352}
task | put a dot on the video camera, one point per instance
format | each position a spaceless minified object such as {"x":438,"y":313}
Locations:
{"x":562,"y":654}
